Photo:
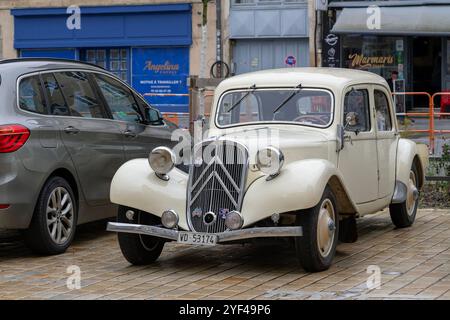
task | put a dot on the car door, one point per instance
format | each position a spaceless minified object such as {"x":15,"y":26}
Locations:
{"x":92,"y":140}
{"x":358,"y":161}
{"x":387,"y":139}
{"x":139,"y":137}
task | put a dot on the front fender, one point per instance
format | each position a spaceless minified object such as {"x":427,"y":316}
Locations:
{"x":135,"y":185}
{"x":300,"y":185}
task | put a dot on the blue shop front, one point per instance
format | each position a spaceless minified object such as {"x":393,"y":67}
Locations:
{"x":146,"y":46}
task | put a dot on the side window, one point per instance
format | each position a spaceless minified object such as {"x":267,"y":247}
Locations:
{"x":120,"y":100}
{"x":357,"y":101}
{"x":79,"y":95}
{"x":383,"y":116}
{"x":57,"y":106}
{"x":30,"y":95}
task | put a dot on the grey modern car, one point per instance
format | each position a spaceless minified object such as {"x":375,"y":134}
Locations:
{"x":65,"y":129}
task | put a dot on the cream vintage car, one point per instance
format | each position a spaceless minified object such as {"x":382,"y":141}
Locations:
{"x":291,"y":154}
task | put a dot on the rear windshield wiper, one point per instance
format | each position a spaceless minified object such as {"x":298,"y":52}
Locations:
{"x":251,"y":89}
{"x":299,"y":88}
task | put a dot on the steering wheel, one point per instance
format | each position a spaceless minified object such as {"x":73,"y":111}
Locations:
{"x":314,"y":118}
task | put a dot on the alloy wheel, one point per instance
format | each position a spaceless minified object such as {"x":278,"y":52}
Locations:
{"x":60,"y":215}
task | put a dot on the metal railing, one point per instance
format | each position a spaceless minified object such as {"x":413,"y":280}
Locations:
{"x":431,"y":114}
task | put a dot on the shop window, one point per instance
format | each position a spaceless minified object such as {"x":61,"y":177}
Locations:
{"x":380,"y":55}
{"x":115,"y":60}
{"x":264,"y":2}
{"x":30,"y":95}
{"x":357,"y":101}
{"x":383,"y":115}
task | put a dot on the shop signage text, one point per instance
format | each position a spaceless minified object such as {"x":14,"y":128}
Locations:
{"x":166,"y":68}
{"x":362,"y":61}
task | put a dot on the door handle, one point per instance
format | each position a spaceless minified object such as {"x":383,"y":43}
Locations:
{"x":71,"y":130}
{"x":130,"y":134}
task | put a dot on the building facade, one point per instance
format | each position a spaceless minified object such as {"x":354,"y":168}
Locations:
{"x":157,"y":45}
{"x":268,"y":34}
{"x":152,"y":45}
{"x":409,"y":37}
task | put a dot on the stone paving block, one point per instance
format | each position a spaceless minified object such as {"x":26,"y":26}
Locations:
{"x":414,"y":264}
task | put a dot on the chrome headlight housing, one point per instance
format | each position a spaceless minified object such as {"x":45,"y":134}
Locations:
{"x":269,"y":161}
{"x":162,"y":161}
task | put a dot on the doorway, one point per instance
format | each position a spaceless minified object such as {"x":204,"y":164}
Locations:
{"x":426,"y":67}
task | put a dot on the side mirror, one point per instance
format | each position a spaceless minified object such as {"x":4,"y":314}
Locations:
{"x":340,"y":138}
{"x":153,"y":116}
{"x":351,"y":119}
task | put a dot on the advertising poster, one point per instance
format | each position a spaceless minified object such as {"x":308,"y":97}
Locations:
{"x":161,"y":76}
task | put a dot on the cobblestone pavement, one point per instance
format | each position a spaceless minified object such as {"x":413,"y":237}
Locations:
{"x":414,"y":262}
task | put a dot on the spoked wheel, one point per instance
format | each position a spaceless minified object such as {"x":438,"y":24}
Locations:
{"x":404,"y":214}
{"x":54,"y":221}
{"x":317,"y":247}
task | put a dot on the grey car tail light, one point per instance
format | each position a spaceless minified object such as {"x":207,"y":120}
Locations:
{"x":13,"y":137}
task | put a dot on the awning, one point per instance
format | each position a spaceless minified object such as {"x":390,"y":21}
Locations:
{"x":411,"y":20}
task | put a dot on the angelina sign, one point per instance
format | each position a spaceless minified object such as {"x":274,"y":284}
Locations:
{"x":361,"y":61}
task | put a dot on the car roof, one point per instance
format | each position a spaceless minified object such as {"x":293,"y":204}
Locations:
{"x":28,"y":65}
{"x":331,"y":78}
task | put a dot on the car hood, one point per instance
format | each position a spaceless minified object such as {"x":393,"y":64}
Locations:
{"x":295,"y":143}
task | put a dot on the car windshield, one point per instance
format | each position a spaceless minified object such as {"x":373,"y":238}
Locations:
{"x":305,"y":106}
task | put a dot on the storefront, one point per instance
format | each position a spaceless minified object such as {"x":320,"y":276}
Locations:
{"x":410,"y":39}
{"x":269,"y":34}
{"x":147,"y":46}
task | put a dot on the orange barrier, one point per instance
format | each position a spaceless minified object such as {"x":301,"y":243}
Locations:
{"x":431,"y":114}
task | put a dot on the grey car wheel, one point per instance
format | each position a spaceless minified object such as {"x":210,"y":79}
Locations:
{"x":60,"y":215}
{"x":55,"y":217}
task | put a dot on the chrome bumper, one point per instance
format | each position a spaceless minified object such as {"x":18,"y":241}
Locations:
{"x":250,"y":233}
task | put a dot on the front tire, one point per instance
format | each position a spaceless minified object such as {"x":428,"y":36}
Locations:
{"x":403,"y":214}
{"x":139,"y":249}
{"x":54,"y":220}
{"x":317,"y":247}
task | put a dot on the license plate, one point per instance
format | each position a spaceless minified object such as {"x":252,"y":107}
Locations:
{"x":202,"y":239}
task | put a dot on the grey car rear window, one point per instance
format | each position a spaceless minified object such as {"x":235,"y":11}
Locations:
{"x":30,"y":95}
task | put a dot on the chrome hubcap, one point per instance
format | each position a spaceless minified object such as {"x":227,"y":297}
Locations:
{"x":326,"y":228}
{"x":413,"y":194}
{"x":60,"y":215}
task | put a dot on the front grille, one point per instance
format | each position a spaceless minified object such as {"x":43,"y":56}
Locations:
{"x":216,"y":184}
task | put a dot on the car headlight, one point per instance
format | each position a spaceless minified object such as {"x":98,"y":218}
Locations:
{"x":270,"y":160}
{"x":169,"y":219}
{"x":234,"y":220}
{"x":162,"y":161}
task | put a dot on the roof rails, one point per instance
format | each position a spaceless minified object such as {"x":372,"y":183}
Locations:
{"x":5,"y":61}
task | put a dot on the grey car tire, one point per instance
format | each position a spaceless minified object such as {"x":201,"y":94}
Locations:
{"x":54,"y":221}
{"x":317,"y":247}
{"x":139,"y":249}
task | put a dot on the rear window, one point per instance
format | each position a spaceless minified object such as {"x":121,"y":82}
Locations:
{"x":30,"y":95}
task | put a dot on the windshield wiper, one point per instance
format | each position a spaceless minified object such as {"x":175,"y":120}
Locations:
{"x":251,"y":89}
{"x":299,"y":88}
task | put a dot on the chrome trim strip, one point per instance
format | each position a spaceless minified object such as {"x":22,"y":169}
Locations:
{"x":227,"y":236}
{"x":142,"y":229}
